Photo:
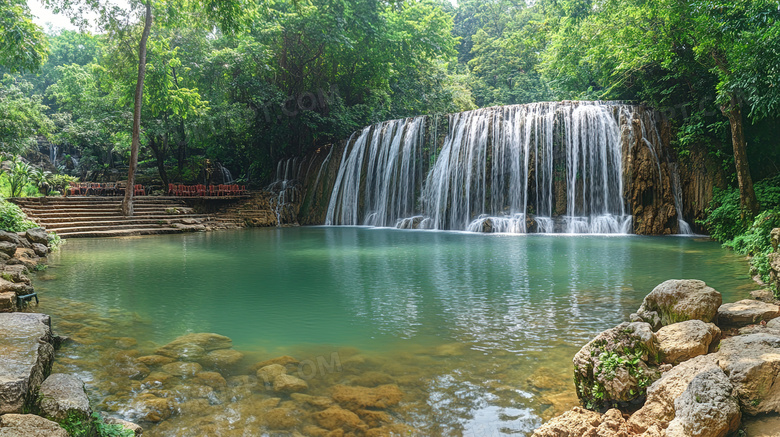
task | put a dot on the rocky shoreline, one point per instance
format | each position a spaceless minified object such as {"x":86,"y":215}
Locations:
{"x":685,"y":365}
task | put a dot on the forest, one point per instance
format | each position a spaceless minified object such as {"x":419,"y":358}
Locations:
{"x":245,"y":83}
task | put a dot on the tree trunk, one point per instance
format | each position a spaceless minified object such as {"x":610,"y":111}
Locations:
{"x":127,"y":203}
{"x":159,"y":154}
{"x":747,"y":196}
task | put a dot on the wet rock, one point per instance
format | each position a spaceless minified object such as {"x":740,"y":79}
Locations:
{"x":373,"y":418}
{"x":269,"y":373}
{"x":29,"y":425}
{"x":678,"y":300}
{"x":8,"y":248}
{"x":338,"y":418}
{"x":659,"y":409}
{"x":282,"y":418}
{"x":682,"y":341}
{"x":26,"y":355}
{"x":130,"y":426}
{"x":157,"y":378}
{"x":193,"y":347}
{"x":183,"y":369}
{"x":581,"y":422}
{"x":150,"y":408}
{"x":154,"y":360}
{"x":25,"y":257}
{"x":707,"y":408}
{"x":746,"y":312}
{"x":372,"y":379}
{"x":289,"y":384}
{"x":222,"y":359}
{"x":763,"y":295}
{"x":211,"y":379}
{"x":752,"y":363}
{"x":37,"y":235}
{"x":354,"y":398}
{"x":62,"y":396}
{"x":616,"y":367}
{"x":284,"y":360}
{"x":40,"y":249}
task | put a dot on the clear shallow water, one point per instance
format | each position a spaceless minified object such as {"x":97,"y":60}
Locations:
{"x":477,"y":330}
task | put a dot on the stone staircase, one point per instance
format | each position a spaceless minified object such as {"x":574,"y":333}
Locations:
{"x":80,"y":217}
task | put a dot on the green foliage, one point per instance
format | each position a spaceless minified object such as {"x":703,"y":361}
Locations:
{"x":23,"y":46}
{"x":13,"y":219}
{"x":93,"y":426}
{"x":18,"y":175}
{"x":22,"y":116}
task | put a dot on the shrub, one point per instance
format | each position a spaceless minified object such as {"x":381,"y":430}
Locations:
{"x":13,"y":219}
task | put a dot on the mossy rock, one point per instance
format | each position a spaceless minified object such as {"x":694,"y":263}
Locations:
{"x":615,"y":368}
{"x":679,"y":300}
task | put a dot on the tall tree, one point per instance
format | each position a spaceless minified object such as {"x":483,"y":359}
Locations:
{"x":226,"y":13}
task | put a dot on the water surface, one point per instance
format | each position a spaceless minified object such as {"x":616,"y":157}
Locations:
{"x":477,"y":330}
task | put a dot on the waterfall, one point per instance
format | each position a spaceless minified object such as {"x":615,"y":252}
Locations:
{"x":541,"y":167}
{"x":285,"y":189}
{"x":53,"y":149}
{"x":684,"y":227}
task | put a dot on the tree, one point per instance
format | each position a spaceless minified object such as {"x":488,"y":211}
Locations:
{"x":226,"y":13}
{"x":22,"y":116}
{"x":620,"y":42}
{"x":23,"y":45}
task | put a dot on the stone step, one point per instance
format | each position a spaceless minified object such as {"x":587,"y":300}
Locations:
{"x":81,"y":229}
{"x":51,"y":221}
{"x":126,"y":222}
{"x":87,"y":213}
{"x":122,"y":232}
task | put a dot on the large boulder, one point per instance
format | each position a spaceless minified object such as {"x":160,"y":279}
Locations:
{"x":659,"y":408}
{"x":26,"y":355}
{"x":774,"y":238}
{"x":678,"y":300}
{"x":682,"y":341}
{"x":8,"y":248}
{"x":707,"y":408}
{"x":63,"y":396}
{"x":37,"y":235}
{"x":284,"y":383}
{"x":752,"y":363}
{"x":746,"y":312}
{"x":616,"y":367}
{"x":581,"y":422}
{"x":11,"y":237}
{"x":29,"y":425}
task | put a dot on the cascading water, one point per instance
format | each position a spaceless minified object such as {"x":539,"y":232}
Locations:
{"x":285,"y":187}
{"x":541,"y":167}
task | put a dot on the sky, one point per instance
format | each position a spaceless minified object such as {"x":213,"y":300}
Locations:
{"x":44,"y":17}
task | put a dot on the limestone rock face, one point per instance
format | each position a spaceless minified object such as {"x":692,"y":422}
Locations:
{"x":10,"y":237}
{"x":29,"y":425}
{"x":37,"y":235}
{"x":581,"y":422}
{"x":26,"y":355}
{"x":678,"y":300}
{"x":193,"y":347}
{"x":63,"y":395}
{"x":617,"y":366}
{"x":707,"y":408}
{"x":752,"y":363}
{"x":774,"y":238}
{"x":685,"y":340}
{"x":774,"y":269}
{"x":746,"y":312}
{"x":40,"y":249}
{"x":659,"y":408}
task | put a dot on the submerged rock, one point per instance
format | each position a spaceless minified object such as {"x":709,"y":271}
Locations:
{"x":222,"y":359}
{"x":285,"y":383}
{"x":682,"y":341}
{"x":746,"y":312}
{"x":268,"y":373}
{"x":617,"y":366}
{"x":337,"y":418}
{"x":284,"y":360}
{"x":194,"y":347}
{"x":184,"y":369}
{"x":354,"y":398}
{"x":29,"y":425}
{"x":678,"y":300}
{"x":63,"y":396}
